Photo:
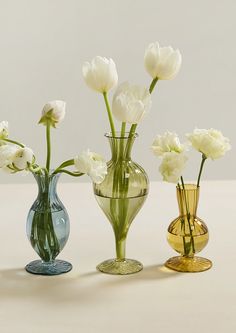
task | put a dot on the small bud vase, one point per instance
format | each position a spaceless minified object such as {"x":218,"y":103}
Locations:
{"x":48,"y":228}
{"x":188,"y":234}
{"x":121,"y":195}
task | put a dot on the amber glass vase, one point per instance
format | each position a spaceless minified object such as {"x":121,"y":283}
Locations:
{"x":188,"y":234}
{"x":121,"y":195}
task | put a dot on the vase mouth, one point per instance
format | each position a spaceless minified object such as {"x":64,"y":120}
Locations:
{"x":188,"y":187}
{"x":50,"y":175}
{"x":118,"y":135}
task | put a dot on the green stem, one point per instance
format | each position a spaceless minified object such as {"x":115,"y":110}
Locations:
{"x":113,"y":131}
{"x":204,"y":158}
{"x":123,"y":126}
{"x":122,"y":134}
{"x":74,"y":174}
{"x":188,"y":214}
{"x":152,"y":85}
{"x":129,"y":143}
{"x":48,"y":127}
{"x":14,"y":142}
{"x":65,"y":164}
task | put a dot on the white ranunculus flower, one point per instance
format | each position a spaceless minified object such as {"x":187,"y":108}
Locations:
{"x":91,"y":164}
{"x":162,"y":63}
{"x":22,"y":157}
{"x":168,"y":142}
{"x":100,"y":74}
{"x":130,"y":103}
{"x":7,"y":154}
{"x":210,"y":142}
{"x":54,"y":112}
{"x":4,"y":129}
{"x":172,"y":166}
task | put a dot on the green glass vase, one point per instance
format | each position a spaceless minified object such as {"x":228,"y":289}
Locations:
{"x":121,"y":195}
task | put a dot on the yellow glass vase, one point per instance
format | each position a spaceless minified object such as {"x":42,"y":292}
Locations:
{"x":188,"y":234}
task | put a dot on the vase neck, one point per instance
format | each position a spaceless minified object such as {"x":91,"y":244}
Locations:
{"x":188,"y":199}
{"x":121,"y":146}
{"x":47,"y":184}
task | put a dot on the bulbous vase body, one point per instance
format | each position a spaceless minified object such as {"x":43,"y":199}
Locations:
{"x":121,"y":195}
{"x":48,"y":228}
{"x":188,"y":234}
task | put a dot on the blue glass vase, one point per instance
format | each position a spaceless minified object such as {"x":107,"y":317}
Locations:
{"x":48,"y":228}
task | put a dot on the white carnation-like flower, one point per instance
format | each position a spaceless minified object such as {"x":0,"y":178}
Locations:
{"x":172,"y":166}
{"x":210,"y":142}
{"x":168,"y":142}
{"x":91,"y":164}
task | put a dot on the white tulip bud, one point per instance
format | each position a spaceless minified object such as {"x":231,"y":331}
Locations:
{"x":100,"y":74}
{"x":53,"y":112}
{"x":162,"y":63}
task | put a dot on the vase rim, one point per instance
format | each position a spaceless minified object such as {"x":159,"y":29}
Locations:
{"x":188,"y":187}
{"x":51,"y":174}
{"x":118,"y":135}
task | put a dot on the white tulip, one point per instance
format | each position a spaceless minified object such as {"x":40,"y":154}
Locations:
{"x":172,"y":166}
{"x":54,"y":112}
{"x":3,"y":129}
{"x":23,"y":157}
{"x":131,"y":103}
{"x":168,"y":142}
{"x":210,"y":142}
{"x":100,"y":74}
{"x":91,"y":164}
{"x":162,"y":63}
{"x":7,"y":154}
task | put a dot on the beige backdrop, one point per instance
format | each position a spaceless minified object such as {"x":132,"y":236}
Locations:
{"x":44,"y":44}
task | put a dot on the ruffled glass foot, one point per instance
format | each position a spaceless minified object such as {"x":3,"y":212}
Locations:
{"x":188,"y":264}
{"x":54,"y":267}
{"x":120,"y":267}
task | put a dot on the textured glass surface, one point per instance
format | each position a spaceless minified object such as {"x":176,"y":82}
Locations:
{"x":121,"y":195}
{"x":188,"y":234}
{"x":48,"y":228}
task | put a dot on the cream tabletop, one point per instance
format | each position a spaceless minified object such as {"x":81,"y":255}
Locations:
{"x":87,"y":301}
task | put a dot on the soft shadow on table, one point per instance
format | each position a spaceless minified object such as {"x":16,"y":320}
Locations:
{"x":17,"y":283}
{"x":152,"y":272}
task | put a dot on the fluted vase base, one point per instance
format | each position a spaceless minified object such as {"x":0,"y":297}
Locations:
{"x":54,"y":267}
{"x":120,"y":267}
{"x":188,"y":264}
